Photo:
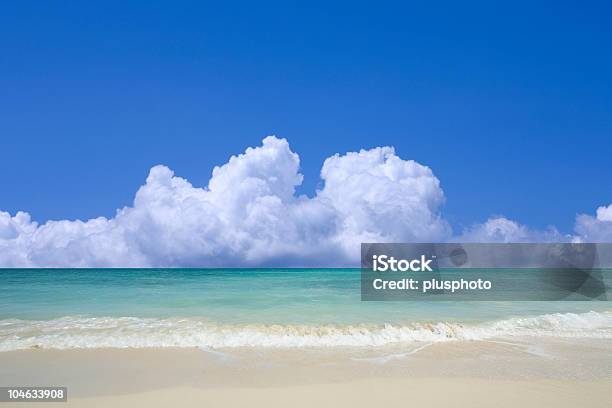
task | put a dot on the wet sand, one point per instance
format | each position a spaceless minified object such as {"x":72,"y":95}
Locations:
{"x":501,"y":373}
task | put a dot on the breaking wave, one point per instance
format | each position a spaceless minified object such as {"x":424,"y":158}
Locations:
{"x":133,"y":332}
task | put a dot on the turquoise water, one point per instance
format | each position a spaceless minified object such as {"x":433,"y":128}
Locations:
{"x":283,"y":296}
{"x":227,"y":307}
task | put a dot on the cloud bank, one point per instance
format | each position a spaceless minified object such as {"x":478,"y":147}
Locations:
{"x":250,"y":215}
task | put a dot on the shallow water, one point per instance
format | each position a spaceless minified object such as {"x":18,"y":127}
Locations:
{"x":255,"y":307}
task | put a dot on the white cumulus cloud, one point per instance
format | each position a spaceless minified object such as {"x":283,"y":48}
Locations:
{"x":596,"y":228}
{"x":248,"y":215}
{"x":502,"y":230}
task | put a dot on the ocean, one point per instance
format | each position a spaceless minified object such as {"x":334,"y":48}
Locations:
{"x":225,"y":308}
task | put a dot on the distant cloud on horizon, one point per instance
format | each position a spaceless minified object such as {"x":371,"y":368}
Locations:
{"x":249,"y":215}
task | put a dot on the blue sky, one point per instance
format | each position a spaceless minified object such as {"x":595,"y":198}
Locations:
{"x":510,"y":105}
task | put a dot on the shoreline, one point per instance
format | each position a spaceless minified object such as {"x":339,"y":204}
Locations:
{"x":569,"y":372}
{"x":82,"y":332}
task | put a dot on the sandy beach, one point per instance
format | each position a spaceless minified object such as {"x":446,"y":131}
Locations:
{"x":521,"y":372}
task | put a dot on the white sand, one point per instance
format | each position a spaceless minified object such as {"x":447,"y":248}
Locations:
{"x":559,"y":373}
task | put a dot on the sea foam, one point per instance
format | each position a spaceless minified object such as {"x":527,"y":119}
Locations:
{"x":132,"y":332}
